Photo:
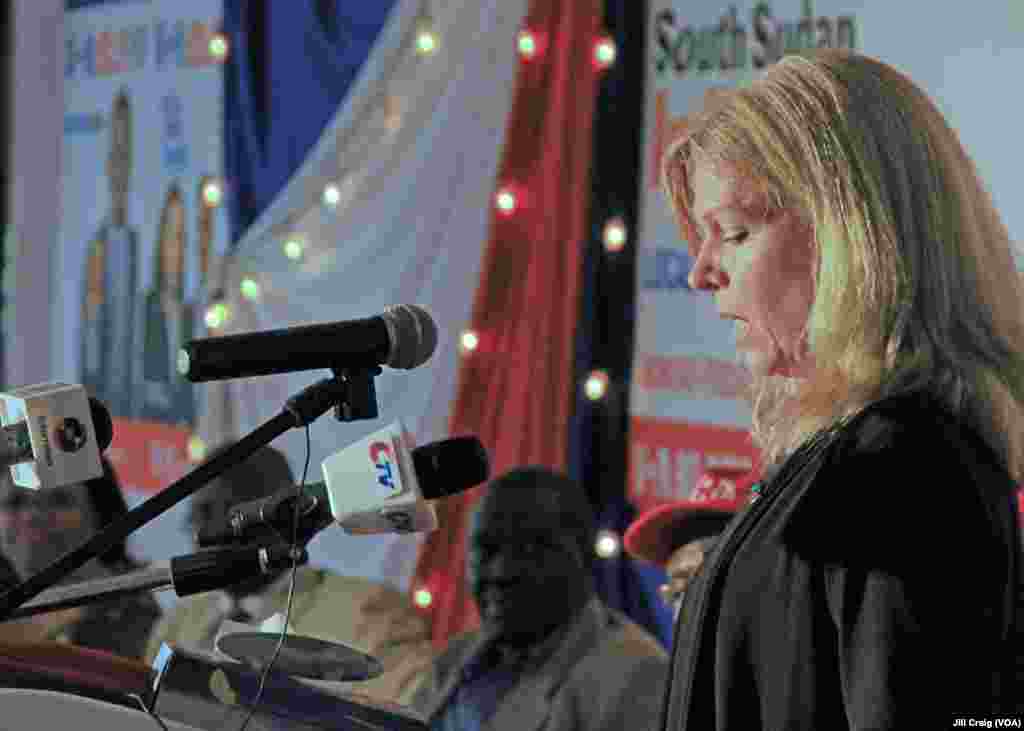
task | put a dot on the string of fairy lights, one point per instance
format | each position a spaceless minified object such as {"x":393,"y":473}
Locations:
{"x":531,"y":45}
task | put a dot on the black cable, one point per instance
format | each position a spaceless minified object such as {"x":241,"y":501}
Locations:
{"x":291,"y":589}
{"x":149,"y":711}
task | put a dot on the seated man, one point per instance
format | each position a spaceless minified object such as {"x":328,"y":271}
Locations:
{"x":368,"y":616}
{"x":548,"y":653}
{"x":39,"y":526}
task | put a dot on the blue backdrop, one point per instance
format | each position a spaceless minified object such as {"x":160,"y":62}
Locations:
{"x":604,"y":340}
{"x":291,"y":65}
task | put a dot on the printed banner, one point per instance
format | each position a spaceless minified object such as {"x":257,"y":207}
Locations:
{"x":140,"y":228}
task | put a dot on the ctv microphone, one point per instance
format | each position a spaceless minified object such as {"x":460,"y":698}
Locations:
{"x":403,"y":337}
{"x":52,"y":435}
{"x":377,"y":485}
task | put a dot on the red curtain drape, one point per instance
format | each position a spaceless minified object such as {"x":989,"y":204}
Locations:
{"x":515,"y":391}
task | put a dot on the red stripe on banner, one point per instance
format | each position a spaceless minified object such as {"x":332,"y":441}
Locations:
{"x":148,"y":456}
{"x":515,"y":390}
{"x":667,"y":457}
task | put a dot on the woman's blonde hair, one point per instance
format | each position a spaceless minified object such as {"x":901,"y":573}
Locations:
{"x":916,"y":284}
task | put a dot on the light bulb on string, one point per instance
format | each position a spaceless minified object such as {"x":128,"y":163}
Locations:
{"x":469,"y":341}
{"x":427,"y":41}
{"x":250,"y":289}
{"x":527,"y":44}
{"x":332,"y":195}
{"x":423,"y":598}
{"x":196,"y":448}
{"x":293,"y":248}
{"x":218,"y":46}
{"x":614,"y":234}
{"x":213,"y":193}
{"x":218,"y":314}
{"x":604,"y":53}
{"x":506,"y":200}
{"x":596,"y":385}
{"x":607,"y":544}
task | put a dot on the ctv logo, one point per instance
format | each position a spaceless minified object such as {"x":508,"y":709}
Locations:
{"x":383,"y":458}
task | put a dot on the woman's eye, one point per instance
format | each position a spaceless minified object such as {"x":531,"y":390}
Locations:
{"x":737,"y":238}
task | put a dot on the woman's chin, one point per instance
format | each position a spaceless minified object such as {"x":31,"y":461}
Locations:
{"x":761,"y":364}
{"x":789,"y":369}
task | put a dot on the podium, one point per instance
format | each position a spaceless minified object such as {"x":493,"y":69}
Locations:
{"x":62,"y":686}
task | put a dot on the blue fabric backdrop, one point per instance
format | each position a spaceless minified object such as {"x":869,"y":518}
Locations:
{"x":290,"y":66}
{"x":605,"y":335}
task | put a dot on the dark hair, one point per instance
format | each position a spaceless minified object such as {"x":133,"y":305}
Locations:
{"x":261,"y":474}
{"x":569,"y":501}
{"x":108,"y":503}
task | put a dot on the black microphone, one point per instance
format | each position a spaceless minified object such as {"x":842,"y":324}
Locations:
{"x":403,"y":337}
{"x":442,"y":468}
{"x":186,"y":575}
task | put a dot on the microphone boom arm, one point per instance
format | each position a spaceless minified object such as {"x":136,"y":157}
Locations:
{"x":186,"y":575}
{"x":350,"y":393}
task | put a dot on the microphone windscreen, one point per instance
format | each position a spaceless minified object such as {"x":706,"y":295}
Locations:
{"x":449,"y":466}
{"x":101,"y":423}
{"x":412,"y":333}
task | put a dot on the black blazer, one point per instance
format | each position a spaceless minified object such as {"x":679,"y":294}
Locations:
{"x":875,"y":584}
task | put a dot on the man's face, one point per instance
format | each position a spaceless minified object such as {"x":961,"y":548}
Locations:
{"x":525,"y":567}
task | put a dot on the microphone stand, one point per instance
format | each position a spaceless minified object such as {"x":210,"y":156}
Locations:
{"x":352,"y":395}
{"x":186,"y":575}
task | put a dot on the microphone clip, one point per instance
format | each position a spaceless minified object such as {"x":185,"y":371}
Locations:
{"x":352,"y":392}
{"x":360,"y":398}
{"x":272,"y":519}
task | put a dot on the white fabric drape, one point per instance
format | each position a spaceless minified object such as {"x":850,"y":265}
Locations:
{"x":414,"y":150}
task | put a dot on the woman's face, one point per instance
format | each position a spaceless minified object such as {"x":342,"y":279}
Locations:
{"x":758,"y":263}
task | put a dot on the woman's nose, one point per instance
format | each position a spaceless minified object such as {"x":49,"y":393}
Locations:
{"x":707,"y":272}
